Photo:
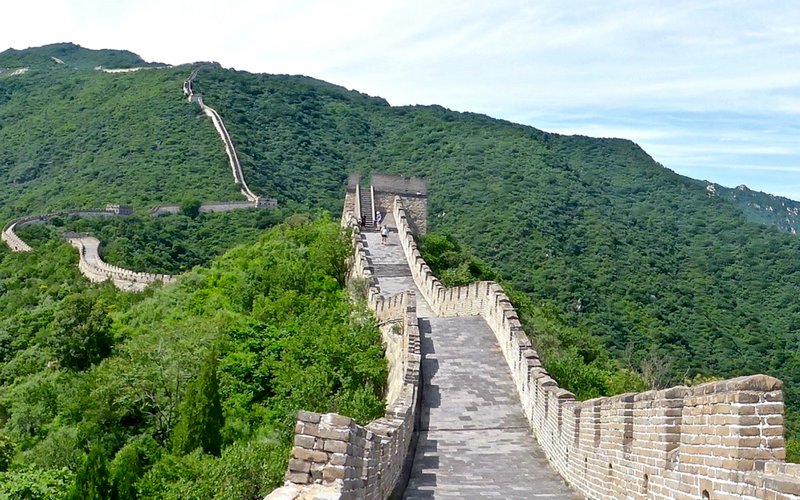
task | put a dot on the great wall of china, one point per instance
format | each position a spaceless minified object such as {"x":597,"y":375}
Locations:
{"x":90,"y":263}
{"x":472,"y":412}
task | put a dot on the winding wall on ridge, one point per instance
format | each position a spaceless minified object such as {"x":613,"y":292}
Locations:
{"x":233,"y":158}
{"x":94,"y":268}
{"x":90,"y":263}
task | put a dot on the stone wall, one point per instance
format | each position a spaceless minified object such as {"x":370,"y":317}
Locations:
{"x":13,"y":241}
{"x":334,"y":457}
{"x":16,"y":244}
{"x":720,"y":440}
{"x":233,"y":158}
{"x":98,"y":271}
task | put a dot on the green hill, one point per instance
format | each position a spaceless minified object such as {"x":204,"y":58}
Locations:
{"x":621,"y":248}
{"x":77,"y":138}
{"x":617,"y":250}
{"x":72,"y":56}
{"x":762,"y":208}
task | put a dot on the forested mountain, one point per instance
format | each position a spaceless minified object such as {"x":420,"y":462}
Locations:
{"x":71,"y":56}
{"x":762,"y":208}
{"x":626,"y":259}
{"x":83,"y":138}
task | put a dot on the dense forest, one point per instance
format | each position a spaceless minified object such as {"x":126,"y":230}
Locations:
{"x":626,"y":274}
{"x":190,"y":391}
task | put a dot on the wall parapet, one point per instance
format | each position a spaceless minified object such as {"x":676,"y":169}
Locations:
{"x":338,"y":458}
{"x":98,"y":270}
{"x":719,"y":440}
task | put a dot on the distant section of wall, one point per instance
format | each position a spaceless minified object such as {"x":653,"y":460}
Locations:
{"x":16,"y":244}
{"x":94,"y":268}
{"x":211,"y":206}
{"x":128,"y":70}
{"x":333,"y":457}
{"x":13,"y":241}
{"x":721,"y":440}
{"x":233,"y":158}
{"x":160,"y":210}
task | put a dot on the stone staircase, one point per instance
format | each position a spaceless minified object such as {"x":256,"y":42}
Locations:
{"x":365,"y":202}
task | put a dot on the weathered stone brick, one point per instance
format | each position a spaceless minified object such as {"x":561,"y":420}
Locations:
{"x":336,"y":446}
{"x":296,"y":465}
{"x":304,"y":441}
{"x":310,"y":455}
{"x":298,"y":477}
{"x":308,"y":416}
{"x":333,"y":472}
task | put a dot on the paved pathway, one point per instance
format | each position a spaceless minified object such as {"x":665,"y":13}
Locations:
{"x":474,"y":441}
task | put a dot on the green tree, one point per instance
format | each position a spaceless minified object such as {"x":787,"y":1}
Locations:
{"x":92,"y":481}
{"x":34,"y":484}
{"x":82,"y":331}
{"x":129,"y":465}
{"x":201,"y":418}
{"x":190,"y":207}
{"x":7,"y":449}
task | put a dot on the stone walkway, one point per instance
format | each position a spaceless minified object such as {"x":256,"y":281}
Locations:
{"x":474,"y":441}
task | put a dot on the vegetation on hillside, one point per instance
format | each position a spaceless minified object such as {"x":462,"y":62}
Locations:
{"x":577,"y":359}
{"x":72,"y":56}
{"x":763,"y":208}
{"x":672,"y":283}
{"x":189,"y":391}
{"x":82,"y":138}
{"x":619,"y":263}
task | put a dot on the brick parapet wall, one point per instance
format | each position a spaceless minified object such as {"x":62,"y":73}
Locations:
{"x":723,"y":438}
{"x":102,"y":271}
{"x":334,"y":457}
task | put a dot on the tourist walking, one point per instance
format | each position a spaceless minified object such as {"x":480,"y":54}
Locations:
{"x":378,"y":218}
{"x":384,"y":235}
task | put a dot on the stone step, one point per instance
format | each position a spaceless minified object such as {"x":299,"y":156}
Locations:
{"x":390,"y":270}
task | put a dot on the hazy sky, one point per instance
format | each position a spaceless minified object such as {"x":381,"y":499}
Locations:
{"x":709,"y":89}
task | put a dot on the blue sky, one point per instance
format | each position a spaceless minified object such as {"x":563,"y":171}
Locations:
{"x":709,"y":89}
